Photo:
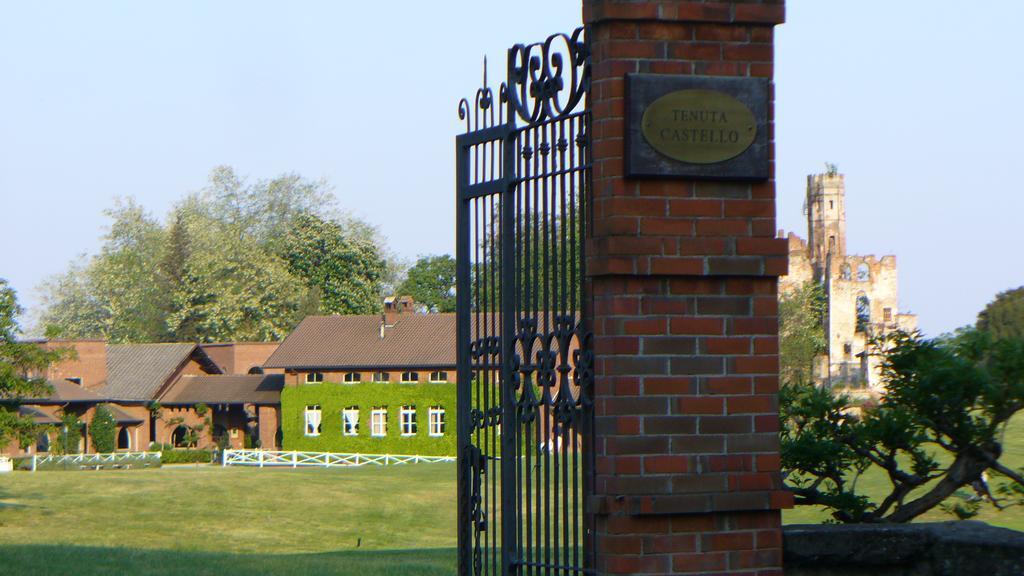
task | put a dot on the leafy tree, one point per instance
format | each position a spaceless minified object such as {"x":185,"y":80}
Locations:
{"x":173,"y":277}
{"x":103,"y":430}
{"x":69,"y":438}
{"x":802,"y":337}
{"x":1004,"y":316}
{"x":431,"y":281}
{"x":71,"y":305}
{"x":936,"y":430}
{"x":345,"y":271}
{"x":112,"y":295}
{"x":21,"y":367}
{"x":231,"y":289}
{"x":267,"y":209}
{"x":236,"y":261}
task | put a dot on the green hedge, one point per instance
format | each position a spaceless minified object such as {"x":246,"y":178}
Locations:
{"x":333,"y":398}
{"x":186,"y":456}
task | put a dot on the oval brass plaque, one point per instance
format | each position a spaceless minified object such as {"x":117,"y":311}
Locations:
{"x":699,"y":126}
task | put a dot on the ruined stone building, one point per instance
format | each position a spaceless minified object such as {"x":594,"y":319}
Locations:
{"x":861,"y":290}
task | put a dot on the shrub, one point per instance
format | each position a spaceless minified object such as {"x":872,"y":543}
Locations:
{"x":186,"y":456}
{"x":70,"y":436}
{"x":103,"y":430}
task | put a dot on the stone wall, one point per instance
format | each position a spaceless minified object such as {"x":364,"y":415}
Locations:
{"x":939,"y":549}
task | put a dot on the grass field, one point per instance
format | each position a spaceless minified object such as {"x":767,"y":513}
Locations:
{"x":213,"y":520}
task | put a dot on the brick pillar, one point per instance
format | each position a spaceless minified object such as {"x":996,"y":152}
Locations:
{"x":683,"y":278}
{"x":269,"y":420}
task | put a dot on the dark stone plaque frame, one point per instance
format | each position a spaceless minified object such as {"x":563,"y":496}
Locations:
{"x":642,"y":160}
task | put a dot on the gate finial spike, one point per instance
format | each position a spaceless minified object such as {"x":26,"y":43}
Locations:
{"x":485,"y":71}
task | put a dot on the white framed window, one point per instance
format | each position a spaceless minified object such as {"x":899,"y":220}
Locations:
{"x":379,"y":422}
{"x":438,"y":376}
{"x":350,"y":421}
{"x":436,"y":421}
{"x":408,"y":419}
{"x":381,"y":377}
{"x":314,"y":377}
{"x":313,"y":420}
{"x":408,"y":377}
{"x":353,"y":377}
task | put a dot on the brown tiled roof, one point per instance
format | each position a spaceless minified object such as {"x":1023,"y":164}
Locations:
{"x":38,"y":415}
{"x":122,"y":417}
{"x":64,"y":391}
{"x":226,"y":389}
{"x":138,"y":371}
{"x":342,"y":342}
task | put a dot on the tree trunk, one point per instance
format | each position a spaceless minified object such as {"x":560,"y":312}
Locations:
{"x":964,"y":470}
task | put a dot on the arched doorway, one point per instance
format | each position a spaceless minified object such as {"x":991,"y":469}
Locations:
{"x":220,"y":436}
{"x":43,"y":442}
{"x":179,"y":438}
{"x":124,"y":439}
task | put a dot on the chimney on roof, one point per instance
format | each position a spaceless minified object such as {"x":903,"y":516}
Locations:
{"x":394,"y":306}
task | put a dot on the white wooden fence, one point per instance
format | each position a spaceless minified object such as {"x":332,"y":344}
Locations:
{"x":110,"y":460}
{"x":266,"y":458}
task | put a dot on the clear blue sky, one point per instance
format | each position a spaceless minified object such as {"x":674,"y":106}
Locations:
{"x":918,"y":102}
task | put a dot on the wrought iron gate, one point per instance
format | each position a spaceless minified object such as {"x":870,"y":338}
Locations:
{"x":524,"y":349}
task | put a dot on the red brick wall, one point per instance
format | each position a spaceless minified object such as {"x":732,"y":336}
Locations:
{"x":89,"y":362}
{"x":683,"y":279}
{"x":165,"y":429}
{"x":239,"y":357}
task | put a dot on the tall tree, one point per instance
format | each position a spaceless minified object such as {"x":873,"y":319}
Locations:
{"x":21,"y":366}
{"x":230,"y":289}
{"x":71,"y":306}
{"x":1004,"y":316}
{"x":112,"y":295}
{"x":267,"y":209}
{"x":237,"y":261}
{"x":174,"y":279}
{"x":345,"y":271}
{"x":801,"y":332}
{"x":431,"y":282}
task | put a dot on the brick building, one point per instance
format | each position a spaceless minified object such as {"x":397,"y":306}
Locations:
{"x":369,"y":383}
{"x":133,"y":380}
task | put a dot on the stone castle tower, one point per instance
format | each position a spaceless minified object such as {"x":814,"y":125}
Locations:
{"x":862,"y":291}
{"x":826,"y":216}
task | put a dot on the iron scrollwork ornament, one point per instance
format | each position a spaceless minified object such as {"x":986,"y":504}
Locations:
{"x":548,"y":80}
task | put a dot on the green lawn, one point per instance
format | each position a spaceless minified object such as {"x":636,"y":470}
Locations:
{"x":212,"y":520}
{"x":397,"y":520}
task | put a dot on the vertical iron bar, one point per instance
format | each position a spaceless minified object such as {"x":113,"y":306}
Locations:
{"x":585,"y":204}
{"x":508,"y":322}
{"x":574,"y":132}
{"x":462,"y":339}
